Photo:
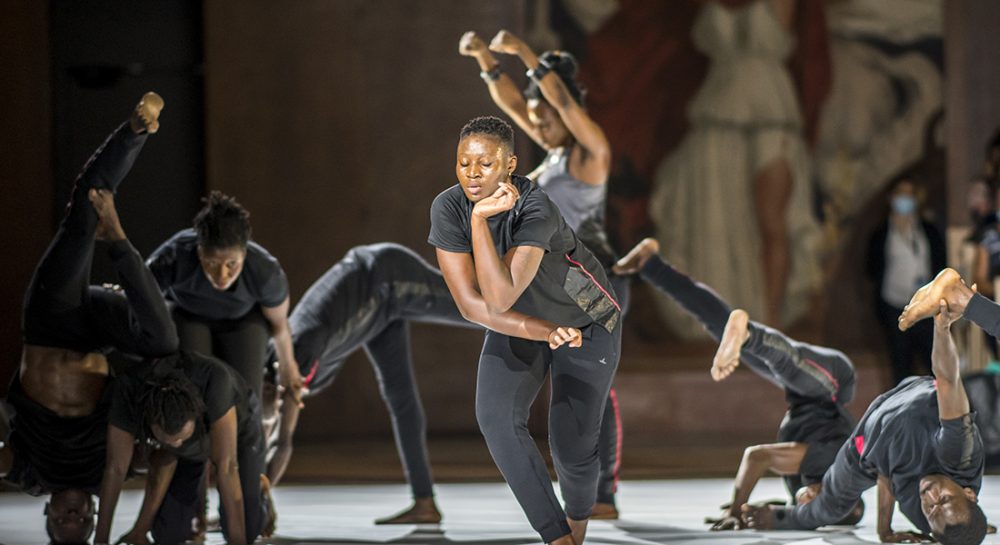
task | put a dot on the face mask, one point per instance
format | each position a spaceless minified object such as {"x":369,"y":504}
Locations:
{"x":904,"y":205}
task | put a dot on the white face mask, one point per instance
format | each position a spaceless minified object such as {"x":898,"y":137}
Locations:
{"x":904,"y":205}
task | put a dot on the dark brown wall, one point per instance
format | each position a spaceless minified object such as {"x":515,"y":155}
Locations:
{"x":335,"y":123}
{"x":25,"y":172}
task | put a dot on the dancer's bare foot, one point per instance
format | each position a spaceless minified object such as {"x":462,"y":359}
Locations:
{"x":947,"y":285}
{"x":727,"y":357}
{"x":146,"y":114}
{"x":604,"y":511}
{"x":109,"y":228}
{"x":272,"y":516}
{"x":424,"y":511}
{"x":637,"y":256}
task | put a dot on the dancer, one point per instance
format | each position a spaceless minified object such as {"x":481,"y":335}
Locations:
{"x":818,"y":382}
{"x":919,"y":443}
{"x":514,"y":266}
{"x":229,"y":294}
{"x":191,"y":408}
{"x":367,"y":300}
{"x":61,"y":393}
{"x":574,"y":175}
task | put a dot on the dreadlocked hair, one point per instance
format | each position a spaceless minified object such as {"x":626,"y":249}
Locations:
{"x":222,"y":222}
{"x":170,"y":401}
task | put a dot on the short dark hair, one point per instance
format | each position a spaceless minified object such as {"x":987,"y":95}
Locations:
{"x":564,"y":65}
{"x":970,"y":532}
{"x":222,"y":222}
{"x":994,"y":141}
{"x":170,"y":401}
{"x":492,"y":126}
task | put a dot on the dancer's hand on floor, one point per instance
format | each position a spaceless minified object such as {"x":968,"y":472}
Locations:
{"x":906,"y":537}
{"x":726,"y":522}
{"x":565,"y":335}
{"x":758,"y":517}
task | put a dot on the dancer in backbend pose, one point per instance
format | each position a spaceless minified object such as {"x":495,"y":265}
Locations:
{"x":191,"y":408}
{"x":919,"y":444}
{"x":574,"y":175}
{"x":229,"y":294}
{"x":366,"y":301}
{"x":515,"y":267}
{"x":818,"y":382}
{"x":61,"y":392}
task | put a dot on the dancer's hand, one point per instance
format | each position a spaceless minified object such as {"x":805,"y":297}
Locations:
{"x":946,"y":316}
{"x":501,"y":200}
{"x":505,"y":42}
{"x":727,"y":521}
{"x":134,"y":537}
{"x":565,"y":335}
{"x":758,"y":517}
{"x":471,"y":44}
{"x":292,"y":384}
{"x":906,"y":537}
{"x":109,"y":227}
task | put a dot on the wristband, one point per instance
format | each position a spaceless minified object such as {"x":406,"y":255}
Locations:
{"x":491,"y":75}
{"x":539,"y":71}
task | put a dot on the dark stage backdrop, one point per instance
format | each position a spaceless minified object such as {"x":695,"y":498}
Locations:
{"x":335,"y":123}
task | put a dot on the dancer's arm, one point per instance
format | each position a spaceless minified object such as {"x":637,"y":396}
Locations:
{"x":584,"y":129}
{"x":223,"y":437}
{"x":780,"y":458}
{"x":503,"y":90}
{"x":288,"y":367}
{"x":952,"y":400}
{"x":117,"y":461}
{"x":501,"y":282}
{"x":460,"y":275}
{"x":162,"y":466}
{"x":287,"y":423}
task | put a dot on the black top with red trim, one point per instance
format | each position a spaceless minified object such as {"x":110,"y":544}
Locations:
{"x":570,"y":288}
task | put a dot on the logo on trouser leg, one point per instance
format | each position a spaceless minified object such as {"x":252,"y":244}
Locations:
{"x":602,"y":360}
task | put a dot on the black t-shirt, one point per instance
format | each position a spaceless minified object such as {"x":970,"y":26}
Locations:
{"x":178,"y":272}
{"x":220,"y":387}
{"x":570,"y":288}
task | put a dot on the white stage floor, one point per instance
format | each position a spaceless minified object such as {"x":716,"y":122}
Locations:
{"x":653,"y":512}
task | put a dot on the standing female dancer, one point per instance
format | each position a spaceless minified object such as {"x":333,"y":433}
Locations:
{"x":574,"y":175}
{"x":515,"y":267}
{"x":229,"y":293}
{"x":61,"y":392}
{"x":366,"y":300}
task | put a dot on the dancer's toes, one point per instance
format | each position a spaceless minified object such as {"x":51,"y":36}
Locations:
{"x":637,"y":256}
{"x":424,"y":511}
{"x":145,"y":117}
{"x":604,"y":511}
{"x":727,"y":358}
{"x":924,"y":302}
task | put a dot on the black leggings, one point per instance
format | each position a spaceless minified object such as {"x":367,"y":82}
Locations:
{"x":610,"y":441}
{"x":804,"y":369}
{"x":240,"y":343}
{"x":62,"y":309}
{"x":511,"y":372}
{"x":184,"y":497}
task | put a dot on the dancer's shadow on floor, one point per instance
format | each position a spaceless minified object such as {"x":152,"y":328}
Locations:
{"x":622,"y":532}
